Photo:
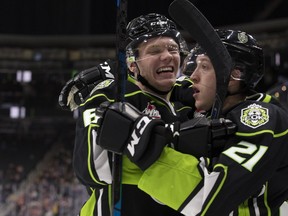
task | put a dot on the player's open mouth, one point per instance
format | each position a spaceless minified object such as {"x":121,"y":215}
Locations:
{"x":195,"y":90}
{"x":165,"y":70}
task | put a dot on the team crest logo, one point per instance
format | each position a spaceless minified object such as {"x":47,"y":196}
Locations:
{"x":151,"y":111}
{"x":254,"y":116}
{"x":242,"y":37}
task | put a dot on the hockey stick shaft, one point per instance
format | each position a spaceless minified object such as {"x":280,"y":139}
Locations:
{"x":195,"y":23}
{"x":121,"y":74}
{"x":120,"y":79}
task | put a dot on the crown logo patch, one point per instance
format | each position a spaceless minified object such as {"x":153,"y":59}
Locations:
{"x":242,"y":37}
{"x":254,"y":116}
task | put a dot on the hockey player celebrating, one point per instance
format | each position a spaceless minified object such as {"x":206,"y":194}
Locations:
{"x":154,"y":52}
{"x":249,"y":176}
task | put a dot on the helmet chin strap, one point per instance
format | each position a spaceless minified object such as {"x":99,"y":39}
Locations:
{"x":241,"y":90}
{"x":144,"y":82}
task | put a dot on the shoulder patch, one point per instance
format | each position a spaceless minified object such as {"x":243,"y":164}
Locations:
{"x":254,"y":116}
{"x":101,"y":85}
{"x":151,"y":110}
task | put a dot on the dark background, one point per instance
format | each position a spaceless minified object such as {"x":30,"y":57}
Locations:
{"x":62,"y":17}
{"x":53,"y":39}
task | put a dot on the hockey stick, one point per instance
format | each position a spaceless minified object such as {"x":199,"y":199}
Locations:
{"x":195,"y":23}
{"x":120,"y":80}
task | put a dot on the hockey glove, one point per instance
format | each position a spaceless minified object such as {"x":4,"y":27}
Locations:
{"x":183,"y":91}
{"x":204,"y":137}
{"x":124,"y":129}
{"x":79,"y":87}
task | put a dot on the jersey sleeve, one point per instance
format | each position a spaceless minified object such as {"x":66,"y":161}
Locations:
{"x":91,"y":163}
{"x":244,"y":170}
{"x":165,"y":179}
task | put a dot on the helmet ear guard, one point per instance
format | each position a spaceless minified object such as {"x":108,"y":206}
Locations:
{"x":130,"y":57}
{"x":130,"y":60}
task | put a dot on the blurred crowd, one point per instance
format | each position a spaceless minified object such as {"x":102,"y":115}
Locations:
{"x":51,"y":190}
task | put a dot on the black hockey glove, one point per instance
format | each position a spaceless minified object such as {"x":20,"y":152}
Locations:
{"x":204,"y":137}
{"x":124,"y":129}
{"x":183,"y":91}
{"x":79,"y":87}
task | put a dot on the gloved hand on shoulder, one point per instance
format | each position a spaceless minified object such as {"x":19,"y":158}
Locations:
{"x":204,"y":137}
{"x":125,"y":130}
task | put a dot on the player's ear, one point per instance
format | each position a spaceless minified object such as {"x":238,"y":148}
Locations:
{"x":132,"y":67}
{"x":236,"y":74}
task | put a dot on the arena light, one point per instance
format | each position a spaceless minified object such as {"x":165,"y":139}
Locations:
{"x":24,"y":76}
{"x":17,"y":112}
{"x":277,"y":59}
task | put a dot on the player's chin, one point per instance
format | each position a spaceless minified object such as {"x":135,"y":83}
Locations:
{"x":200,"y":105}
{"x":165,"y":88}
{"x":166,"y":83}
{"x":166,"y":75}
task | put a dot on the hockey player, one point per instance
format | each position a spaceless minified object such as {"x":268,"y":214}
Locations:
{"x":154,"y":51}
{"x":249,"y":176}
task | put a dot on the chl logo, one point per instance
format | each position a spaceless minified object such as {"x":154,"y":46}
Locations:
{"x":152,"y":111}
{"x":137,"y":133}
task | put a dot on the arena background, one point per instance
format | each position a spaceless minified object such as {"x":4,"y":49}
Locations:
{"x":43,"y":43}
